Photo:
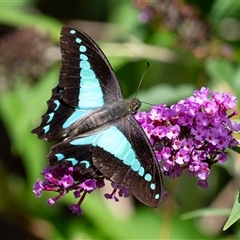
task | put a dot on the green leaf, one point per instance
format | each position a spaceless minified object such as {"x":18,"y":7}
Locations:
{"x":236,"y":149}
{"x":19,"y":17}
{"x":235,"y":214}
{"x":220,"y":70}
{"x":206,"y":212}
{"x":223,"y":9}
{"x":27,"y":105}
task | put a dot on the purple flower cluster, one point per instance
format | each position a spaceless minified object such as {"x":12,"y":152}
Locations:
{"x":63,"y":179}
{"x":192,"y":134}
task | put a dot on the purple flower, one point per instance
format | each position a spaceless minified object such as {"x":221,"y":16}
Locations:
{"x":88,"y":185}
{"x":166,"y":153}
{"x":187,"y":144}
{"x":210,"y":108}
{"x":77,"y":193}
{"x":173,"y":132}
{"x":51,"y":201}
{"x":111,"y":196}
{"x":122,"y":192}
{"x":38,"y":187}
{"x":181,"y":156}
{"x":75,"y":208}
{"x":202,"y":183}
{"x":192,"y":134}
{"x":222,"y":157}
{"x":63,"y":179}
{"x":66,"y":181}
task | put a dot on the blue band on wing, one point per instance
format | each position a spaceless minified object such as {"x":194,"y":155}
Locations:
{"x":74,"y":117}
{"x":90,"y":93}
{"x":51,"y":115}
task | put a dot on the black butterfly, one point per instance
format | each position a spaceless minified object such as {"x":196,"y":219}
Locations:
{"x":87,"y":109}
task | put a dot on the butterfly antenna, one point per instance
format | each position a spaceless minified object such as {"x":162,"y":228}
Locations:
{"x":142,"y":79}
{"x":150,"y":104}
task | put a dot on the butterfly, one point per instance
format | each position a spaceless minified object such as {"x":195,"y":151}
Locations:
{"x":95,"y":124}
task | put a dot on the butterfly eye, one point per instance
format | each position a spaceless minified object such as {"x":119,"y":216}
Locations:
{"x":135,"y":110}
{"x":135,"y":105}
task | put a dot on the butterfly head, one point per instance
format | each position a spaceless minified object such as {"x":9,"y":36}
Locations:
{"x":134,"y":105}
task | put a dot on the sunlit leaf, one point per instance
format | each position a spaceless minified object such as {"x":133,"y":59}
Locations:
{"x":235,"y":213}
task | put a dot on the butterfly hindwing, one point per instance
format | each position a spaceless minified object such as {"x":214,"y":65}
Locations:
{"x":82,"y":157}
{"x":86,"y":82}
{"x":133,"y":164}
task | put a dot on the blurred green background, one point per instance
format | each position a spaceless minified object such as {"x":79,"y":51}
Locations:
{"x":189,"y":44}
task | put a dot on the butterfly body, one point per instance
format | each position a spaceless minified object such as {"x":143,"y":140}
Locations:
{"x":103,"y":117}
{"x":87,"y":109}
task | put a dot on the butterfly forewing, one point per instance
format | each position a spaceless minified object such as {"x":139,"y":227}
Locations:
{"x":86,"y":82}
{"x":78,"y":50}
